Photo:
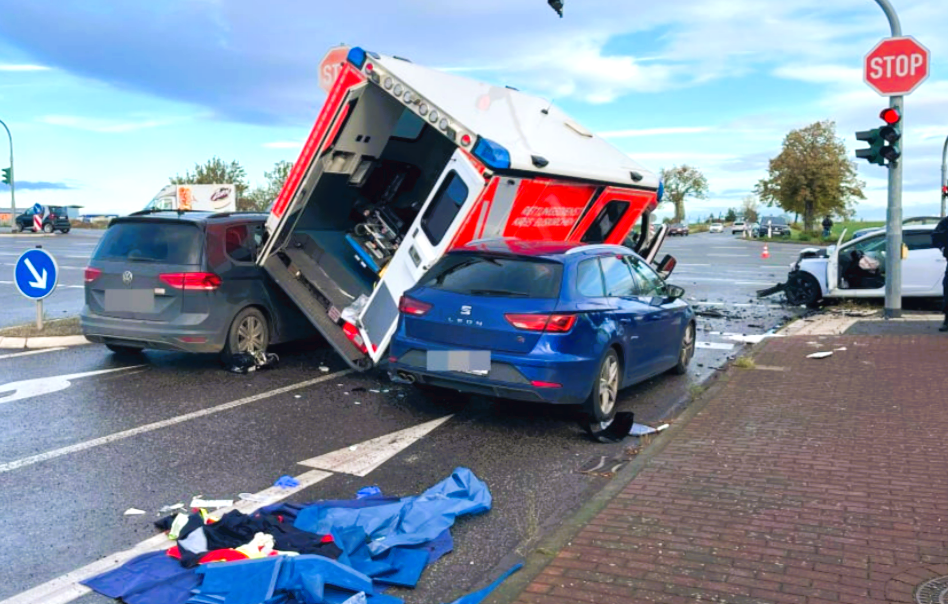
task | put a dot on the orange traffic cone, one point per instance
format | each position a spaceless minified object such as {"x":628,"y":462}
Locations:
{"x":765,"y":253}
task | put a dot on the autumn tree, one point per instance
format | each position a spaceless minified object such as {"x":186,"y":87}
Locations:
{"x":216,"y":171}
{"x":812,"y":176}
{"x":731,"y":215}
{"x":682,"y":182}
{"x":749,"y":206}
{"x":261,"y":197}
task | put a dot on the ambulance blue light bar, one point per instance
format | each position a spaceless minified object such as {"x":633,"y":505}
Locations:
{"x":356,"y":57}
{"x":492,"y":154}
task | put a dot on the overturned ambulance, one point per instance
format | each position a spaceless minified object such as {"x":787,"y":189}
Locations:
{"x":405,"y":163}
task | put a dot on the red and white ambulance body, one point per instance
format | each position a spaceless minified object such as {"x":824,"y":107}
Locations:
{"x":405,"y":163}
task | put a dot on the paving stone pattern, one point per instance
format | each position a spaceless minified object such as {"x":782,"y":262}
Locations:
{"x":824,"y":483}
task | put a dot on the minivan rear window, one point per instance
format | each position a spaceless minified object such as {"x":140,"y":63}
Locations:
{"x":495,"y":276}
{"x":176,"y":243}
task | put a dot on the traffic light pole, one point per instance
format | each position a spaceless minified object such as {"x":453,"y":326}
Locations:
{"x":12,"y":180}
{"x":893,"y":227}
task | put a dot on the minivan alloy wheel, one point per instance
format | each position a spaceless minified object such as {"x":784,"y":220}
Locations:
{"x":251,"y":335}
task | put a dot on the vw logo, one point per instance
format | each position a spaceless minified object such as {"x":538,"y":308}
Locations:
{"x":127,"y":277}
{"x":466,"y":310}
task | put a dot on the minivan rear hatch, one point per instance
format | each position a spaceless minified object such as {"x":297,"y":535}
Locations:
{"x":484,"y":301}
{"x":142,"y":269}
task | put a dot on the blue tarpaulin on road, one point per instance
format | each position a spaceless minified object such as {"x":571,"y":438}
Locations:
{"x":410,"y":521}
{"x":385,"y":541}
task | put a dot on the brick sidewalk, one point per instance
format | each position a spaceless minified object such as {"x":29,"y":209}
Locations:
{"x":821,"y":483}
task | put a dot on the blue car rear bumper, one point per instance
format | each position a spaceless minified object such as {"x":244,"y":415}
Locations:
{"x":511,"y":376}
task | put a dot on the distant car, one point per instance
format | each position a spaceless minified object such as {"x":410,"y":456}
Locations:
{"x":856,"y":269}
{"x":185,"y":282}
{"x":776,"y":225}
{"x":918,"y":220}
{"x":678,"y":229}
{"x":55,"y":221}
{"x":553,"y":322}
{"x":737,"y":227}
{"x":716,"y":227}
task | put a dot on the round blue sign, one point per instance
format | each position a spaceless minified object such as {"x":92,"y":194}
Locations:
{"x":37,"y":208}
{"x":36,"y":274}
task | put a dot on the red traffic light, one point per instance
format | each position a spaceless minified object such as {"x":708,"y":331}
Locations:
{"x":890,"y":116}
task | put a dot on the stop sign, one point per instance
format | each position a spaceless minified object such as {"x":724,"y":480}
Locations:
{"x":896,"y":66}
{"x":331,"y":65}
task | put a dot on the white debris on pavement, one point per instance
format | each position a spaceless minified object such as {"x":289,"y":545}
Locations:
{"x":211,"y":503}
{"x":819,"y":355}
{"x":134,"y":512}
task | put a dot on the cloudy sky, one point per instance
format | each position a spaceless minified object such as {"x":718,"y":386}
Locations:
{"x":108,"y":98}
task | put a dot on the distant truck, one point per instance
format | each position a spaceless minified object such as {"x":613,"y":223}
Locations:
{"x":209,"y":198}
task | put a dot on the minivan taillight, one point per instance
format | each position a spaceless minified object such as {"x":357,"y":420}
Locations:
{"x":92,"y":274}
{"x":191,"y":281}
{"x":548,"y":323}
{"x":410,"y":306}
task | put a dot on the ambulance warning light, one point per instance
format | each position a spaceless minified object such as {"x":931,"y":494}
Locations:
{"x":493,"y":155}
{"x":357,"y":57}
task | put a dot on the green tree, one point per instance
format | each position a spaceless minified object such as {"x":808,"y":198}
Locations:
{"x":682,"y":182}
{"x":261,"y":197}
{"x":731,"y":215}
{"x":812,"y":176}
{"x":215,"y":171}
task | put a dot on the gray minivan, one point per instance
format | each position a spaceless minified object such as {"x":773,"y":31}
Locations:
{"x":185,"y":281}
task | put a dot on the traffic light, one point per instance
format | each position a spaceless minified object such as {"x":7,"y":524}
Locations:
{"x":944,"y":192}
{"x":557,"y":5}
{"x":883,"y":141}
{"x":7,"y":176}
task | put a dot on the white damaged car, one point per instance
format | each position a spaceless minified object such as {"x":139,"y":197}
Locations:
{"x":856,"y":269}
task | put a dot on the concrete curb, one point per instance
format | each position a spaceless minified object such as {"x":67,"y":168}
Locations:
{"x":45,"y":342}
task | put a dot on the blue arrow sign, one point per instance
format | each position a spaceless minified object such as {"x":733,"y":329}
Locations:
{"x":37,"y":208}
{"x":36,"y":274}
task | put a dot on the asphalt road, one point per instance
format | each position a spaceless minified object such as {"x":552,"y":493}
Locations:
{"x":71,"y":251}
{"x":167,"y":427}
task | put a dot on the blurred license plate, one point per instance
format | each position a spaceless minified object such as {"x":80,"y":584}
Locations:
{"x":476,"y":362}
{"x":130,"y":300}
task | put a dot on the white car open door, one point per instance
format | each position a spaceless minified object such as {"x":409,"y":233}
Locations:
{"x":832,"y":267}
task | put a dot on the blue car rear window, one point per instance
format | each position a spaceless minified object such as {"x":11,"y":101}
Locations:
{"x":178,"y":243}
{"x":495,"y":276}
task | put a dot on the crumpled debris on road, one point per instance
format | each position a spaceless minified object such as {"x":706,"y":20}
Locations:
{"x":324,"y":552}
{"x":617,"y":430}
{"x":643,"y":430}
{"x":246,"y":362}
{"x":819,"y":355}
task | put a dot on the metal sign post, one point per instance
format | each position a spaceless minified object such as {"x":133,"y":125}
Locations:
{"x":12,"y":180}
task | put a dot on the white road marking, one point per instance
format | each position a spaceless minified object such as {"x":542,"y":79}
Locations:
{"x":57,"y":287}
{"x":714,"y":345}
{"x":683,"y":264}
{"x":29,"y":352}
{"x":67,"y":588}
{"x":47,"y":385}
{"x":360,"y":461}
{"x":727,"y":280}
{"x":117,"y":436}
{"x":728,"y":255}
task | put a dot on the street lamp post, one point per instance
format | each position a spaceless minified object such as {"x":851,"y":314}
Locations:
{"x":12,"y":180}
{"x":893,"y":259}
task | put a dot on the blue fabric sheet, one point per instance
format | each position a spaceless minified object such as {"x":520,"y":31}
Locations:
{"x":478,"y":596}
{"x":151,"y":578}
{"x":410,"y":521}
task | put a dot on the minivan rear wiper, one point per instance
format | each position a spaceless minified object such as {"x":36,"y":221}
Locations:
{"x":498,"y":292}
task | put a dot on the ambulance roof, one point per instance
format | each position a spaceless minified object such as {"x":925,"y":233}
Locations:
{"x":524,"y":125}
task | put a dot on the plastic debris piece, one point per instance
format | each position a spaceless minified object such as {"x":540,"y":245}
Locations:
{"x":134,"y":512}
{"x":662,"y":427}
{"x":297,"y":396}
{"x":211,"y":503}
{"x":368,"y":492}
{"x":641,"y":430}
{"x":252,"y":497}
{"x":375,"y":391}
{"x":350,"y":314}
{"x":324,"y":369}
{"x":616,"y":431}
{"x":819,"y":355}
{"x":286,"y":482}
{"x":170,"y":508}
{"x":358,"y":402}
{"x":353,"y":447}
{"x":842,"y":349}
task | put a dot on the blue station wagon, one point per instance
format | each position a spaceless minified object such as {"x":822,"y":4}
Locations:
{"x":546,"y":322}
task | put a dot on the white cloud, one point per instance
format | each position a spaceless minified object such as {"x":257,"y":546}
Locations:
{"x":819,"y":74}
{"x":283,"y":145}
{"x":654,"y":131}
{"x":104,"y":125}
{"x":10,"y":67}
